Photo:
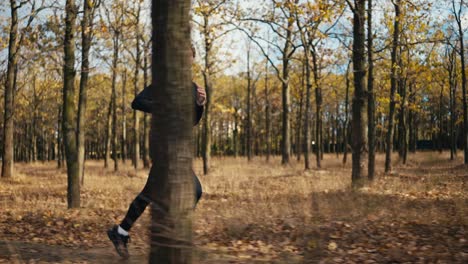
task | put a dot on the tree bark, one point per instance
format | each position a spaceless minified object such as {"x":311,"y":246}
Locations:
{"x":206,"y":140}
{"x":86,"y":31}
{"x":286,"y":127}
{"x":318,"y":109}
{"x":124,"y":117}
{"x":68,"y":122}
{"x":267,"y":117}
{"x":452,"y":69}
{"x":136,"y":121}
{"x":345,"y":125}
{"x":115,"y":61}
{"x":173,"y":195}
{"x":8,"y":122}
{"x":360,"y":96}
{"x":458,"y":19}
{"x":146,"y":122}
{"x":249,"y":109}
{"x":107,"y":147}
{"x":371,"y":96}
{"x":393,"y":87}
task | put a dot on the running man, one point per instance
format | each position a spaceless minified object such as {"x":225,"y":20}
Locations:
{"x":118,"y":234}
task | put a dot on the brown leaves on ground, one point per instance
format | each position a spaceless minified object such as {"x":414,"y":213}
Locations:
{"x":257,"y":213}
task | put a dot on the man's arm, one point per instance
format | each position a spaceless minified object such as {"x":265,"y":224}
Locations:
{"x":143,"y":101}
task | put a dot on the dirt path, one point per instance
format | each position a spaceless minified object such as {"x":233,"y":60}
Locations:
{"x":251,"y":213}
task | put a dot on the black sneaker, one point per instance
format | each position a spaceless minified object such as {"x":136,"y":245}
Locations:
{"x":119,"y":241}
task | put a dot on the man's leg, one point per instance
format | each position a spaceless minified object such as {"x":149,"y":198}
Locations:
{"x":137,"y":207}
{"x":135,"y":210}
{"x":119,"y":233}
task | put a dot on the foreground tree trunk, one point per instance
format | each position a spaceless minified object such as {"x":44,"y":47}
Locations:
{"x":68,"y":122}
{"x":171,"y":139}
{"x":359,"y":99}
{"x":8,"y":124}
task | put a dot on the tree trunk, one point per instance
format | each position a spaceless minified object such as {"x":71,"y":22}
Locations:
{"x":318,"y":109}
{"x":115,"y":62}
{"x":306,"y":70}
{"x":463,"y":72}
{"x":146,"y":124}
{"x":206,"y":140}
{"x":249,"y":109}
{"x":8,"y":122}
{"x":267,"y":116}
{"x":452,"y":69}
{"x":108,"y":135}
{"x":136,"y":121}
{"x":371,"y":96}
{"x":68,"y":123}
{"x":124,"y":117}
{"x":360,"y":97}
{"x":171,"y":140}
{"x":345,"y":125}
{"x":59,"y":138}
{"x":393,"y":86}
{"x":307,"y":115}
{"x":286,"y":127}
{"x":86,"y":29}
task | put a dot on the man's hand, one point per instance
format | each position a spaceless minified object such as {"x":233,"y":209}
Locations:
{"x":201,"y":96}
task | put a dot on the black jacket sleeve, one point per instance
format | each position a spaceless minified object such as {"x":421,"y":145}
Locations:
{"x":143,"y":102}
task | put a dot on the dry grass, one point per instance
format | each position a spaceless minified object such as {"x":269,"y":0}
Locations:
{"x":255,"y":210}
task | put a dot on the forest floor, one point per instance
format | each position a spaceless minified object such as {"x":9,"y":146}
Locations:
{"x":253,"y":212}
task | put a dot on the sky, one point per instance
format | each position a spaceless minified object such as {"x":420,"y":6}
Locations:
{"x":233,"y":46}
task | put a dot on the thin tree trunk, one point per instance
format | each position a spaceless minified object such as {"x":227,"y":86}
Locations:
{"x":458,"y":18}
{"x":267,"y":116}
{"x":286,"y":127}
{"x":249,"y":109}
{"x":115,"y":62}
{"x":318,"y":109}
{"x":371,"y":96}
{"x":108,"y":135}
{"x":171,"y":140}
{"x":136,"y":121}
{"x":345,"y":125}
{"x":146,"y":124}
{"x":59,"y":138}
{"x":360,"y":97}
{"x":393,"y":86}
{"x":452,"y":69}
{"x":86,"y":31}
{"x":68,"y":123}
{"x":206,"y":140}
{"x":124,"y":117}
